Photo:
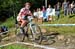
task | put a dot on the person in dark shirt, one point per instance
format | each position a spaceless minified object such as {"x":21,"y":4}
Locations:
{"x":57,"y":10}
{"x":72,"y":7}
{"x":3,"y":29}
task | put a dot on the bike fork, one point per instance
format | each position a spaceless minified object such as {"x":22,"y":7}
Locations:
{"x":33,"y":33}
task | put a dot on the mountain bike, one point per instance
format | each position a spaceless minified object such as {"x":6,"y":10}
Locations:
{"x":33,"y":31}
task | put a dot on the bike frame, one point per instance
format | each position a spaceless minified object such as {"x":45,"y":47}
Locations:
{"x":30,"y":25}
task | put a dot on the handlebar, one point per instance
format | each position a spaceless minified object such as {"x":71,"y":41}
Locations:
{"x":30,"y":18}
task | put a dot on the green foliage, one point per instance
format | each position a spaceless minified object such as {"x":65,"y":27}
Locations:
{"x":12,"y":7}
{"x":9,"y":23}
{"x":8,"y":8}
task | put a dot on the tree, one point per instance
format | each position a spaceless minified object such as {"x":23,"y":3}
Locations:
{"x":10,"y":8}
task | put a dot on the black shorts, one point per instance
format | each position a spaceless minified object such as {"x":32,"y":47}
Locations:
{"x":24,"y":18}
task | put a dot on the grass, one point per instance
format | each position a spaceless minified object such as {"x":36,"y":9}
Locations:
{"x":66,"y":30}
{"x":17,"y":46}
{"x":63,"y":20}
{"x":62,"y":29}
{"x":9,"y":22}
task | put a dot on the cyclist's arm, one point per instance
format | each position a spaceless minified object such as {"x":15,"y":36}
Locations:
{"x":21,"y":12}
{"x":30,"y":13}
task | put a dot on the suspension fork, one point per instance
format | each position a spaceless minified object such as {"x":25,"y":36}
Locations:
{"x":33,"y":32}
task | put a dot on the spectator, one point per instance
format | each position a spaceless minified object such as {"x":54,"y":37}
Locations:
{"x":3,"y":29}
{"x":57,"y":10}
{"x":69,"y":9}
{"x":48,"y":13}
{"x":72,"y":7}
{"x":40,"y":15}
{"x":44,"y":11}
{"x":35,"y":13}
{"x":65,"y":7}
{"x":43,"y":8}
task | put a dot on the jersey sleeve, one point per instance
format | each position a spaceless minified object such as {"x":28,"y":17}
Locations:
{"x":30,"y":13}
{"x":21,"y":11}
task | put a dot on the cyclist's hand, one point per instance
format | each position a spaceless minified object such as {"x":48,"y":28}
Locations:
{"x":30,"y":18}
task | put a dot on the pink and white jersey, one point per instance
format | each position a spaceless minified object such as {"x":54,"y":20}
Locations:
{"x":23,"y":12}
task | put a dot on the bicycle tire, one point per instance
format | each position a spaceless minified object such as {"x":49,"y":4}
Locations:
{"x":39,"y":34}
{"x":16,"y":29}
{"x":18,"y":34}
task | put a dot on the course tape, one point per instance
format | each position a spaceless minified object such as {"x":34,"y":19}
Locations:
{"x":57,"y":25}
{"x":30,"y":44}
{"x":36,"y":45}
{"x":7,"y":44}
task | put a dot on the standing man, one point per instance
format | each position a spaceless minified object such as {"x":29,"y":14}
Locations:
{"x":72,"y":7}
{"x":57,"y":9}
{"x":65,"y":7}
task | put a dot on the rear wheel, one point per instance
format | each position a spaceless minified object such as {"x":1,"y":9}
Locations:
{"x":18,"y":34}
{"x":17,"y":29}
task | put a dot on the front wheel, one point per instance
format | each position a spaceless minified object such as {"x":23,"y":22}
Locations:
{"x":36,"y":33}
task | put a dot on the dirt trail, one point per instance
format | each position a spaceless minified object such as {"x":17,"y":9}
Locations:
{"x":58,"y":44}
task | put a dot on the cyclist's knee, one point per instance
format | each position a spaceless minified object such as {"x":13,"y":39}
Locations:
{"x":24,"y":23}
